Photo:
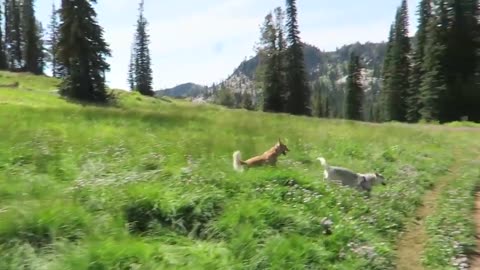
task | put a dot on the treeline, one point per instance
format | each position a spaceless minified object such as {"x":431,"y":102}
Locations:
{"x":433,"y":76}
{"x":21,"y":38}
{"x":281,"y":72}
{"x":73,"y":47}
{"x":437,"y":78}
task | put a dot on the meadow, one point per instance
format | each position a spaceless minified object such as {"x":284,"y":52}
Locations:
{"x":147,"y":183}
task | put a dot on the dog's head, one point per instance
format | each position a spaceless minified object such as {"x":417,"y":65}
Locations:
{"x":380,"y":179}
{"x":281,"y":148}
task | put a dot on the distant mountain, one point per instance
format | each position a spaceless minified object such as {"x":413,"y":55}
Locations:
{"x":320,"y":65}
{"x":329,"y":67}
{"x":182,"y":90}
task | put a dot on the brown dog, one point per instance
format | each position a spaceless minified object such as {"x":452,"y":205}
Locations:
{"x":267,"y":158}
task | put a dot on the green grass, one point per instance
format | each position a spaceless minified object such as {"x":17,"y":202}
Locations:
{"x":149,"y":183}
{"x":464,"y":124}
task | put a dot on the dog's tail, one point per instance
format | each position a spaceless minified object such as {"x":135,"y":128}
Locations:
{"x":237,"y":161}
{"x":323,"y":162}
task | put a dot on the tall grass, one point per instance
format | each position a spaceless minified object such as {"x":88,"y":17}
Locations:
{"x":149,"y":183}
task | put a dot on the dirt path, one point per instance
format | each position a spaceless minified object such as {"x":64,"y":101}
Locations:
{"x":475,"y":258}
{"x":411,"y":243}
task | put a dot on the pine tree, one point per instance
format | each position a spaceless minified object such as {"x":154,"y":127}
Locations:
{"x":52,"y":44}
{"x":3,"y":55}
{"x":398,"y":68}
{"x":13,"y":35}
{"x":413,"y":102}
{"x":32,"y":38}
{"x":41,"y":50}
{"x":354,"y":95}
{"x":434,"y":91}
{"x":131,"y":70}
{"x":247,"y":101}
{"x":319,"y":101}
{"x":462,"y":59}
{"x":82,"y":51}
{"x":143,"y":70}
{"x":281,"y":53}
{"x":280,"y":29}
{"x":385,"y":94}
{"x":298,"y":96}
{"x":271,"y":75}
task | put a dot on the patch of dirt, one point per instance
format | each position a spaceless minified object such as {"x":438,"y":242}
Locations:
{"x":411,"y":243}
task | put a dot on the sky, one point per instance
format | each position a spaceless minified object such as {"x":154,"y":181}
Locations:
{"x":204,"y":41}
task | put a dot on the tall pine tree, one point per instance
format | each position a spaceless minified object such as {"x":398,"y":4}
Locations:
{"x":298,"y":92}
{"x":434,"y":91}
{"x":142,"y":69}
{"x":319,"y":103}
{"x":82,"y":51}
{"x":13,"y":35}
{"x":52,"y":44}
{"x":33,"y":50}
{"x":385,"y":94}
{"x":131,"y":70}
{"x":413,"y":102}
{"x":397,"y":87}
{"x":462,"y":59}
{"x":271,"y":77}
{"x":282,"y":52}
{"x":41,"y":49}
{"x":354,"y":95}
{"x":3,"y":55}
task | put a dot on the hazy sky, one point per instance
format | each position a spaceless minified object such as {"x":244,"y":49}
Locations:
{"x":204,"y":41}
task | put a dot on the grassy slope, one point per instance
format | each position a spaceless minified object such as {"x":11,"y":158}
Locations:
{"x":73,"y":177}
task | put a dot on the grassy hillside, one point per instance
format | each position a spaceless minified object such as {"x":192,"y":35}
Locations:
{"x":148,"y":184}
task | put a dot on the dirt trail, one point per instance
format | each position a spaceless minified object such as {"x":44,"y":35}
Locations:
{"x":475,"y":258}
{"x":411,"y":243}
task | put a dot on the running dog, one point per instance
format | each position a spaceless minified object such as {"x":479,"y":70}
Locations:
{"x":267,"y":158}
{"x":360,"y":181}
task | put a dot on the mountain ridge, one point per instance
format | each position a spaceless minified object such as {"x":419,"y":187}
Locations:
{"x":320,"y":65}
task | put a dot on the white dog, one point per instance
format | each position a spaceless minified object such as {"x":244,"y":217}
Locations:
{"x":347,"y":177}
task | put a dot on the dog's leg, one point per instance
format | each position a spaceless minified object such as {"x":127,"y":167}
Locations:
{"x":237,"y":162}
{"x":325,"y":174}
{"x":365,"y":186}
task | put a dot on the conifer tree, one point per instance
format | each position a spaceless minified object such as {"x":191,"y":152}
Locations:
{"x":413,"y":102}
{"x":247,"y":101}
{"x":13,"y":35}
{"x":41,"y":49}
{"x":3,"y":55}
{"x":281,"y":56}
{"x":298,"y":92}
{"x":434,"y":91}
{"x":462,"y":59}
{"x":52,"y":44}
{"x":319,"y":103}
{"x":385,"y":94}
{"x":142,"y":62}
{"x":354,"y":95}
{"x":397,"y":84}
{"x":82,"y":51}
{"x":271,"y":75}
{"x":33,"y":51}
{"x":131,"y":70}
